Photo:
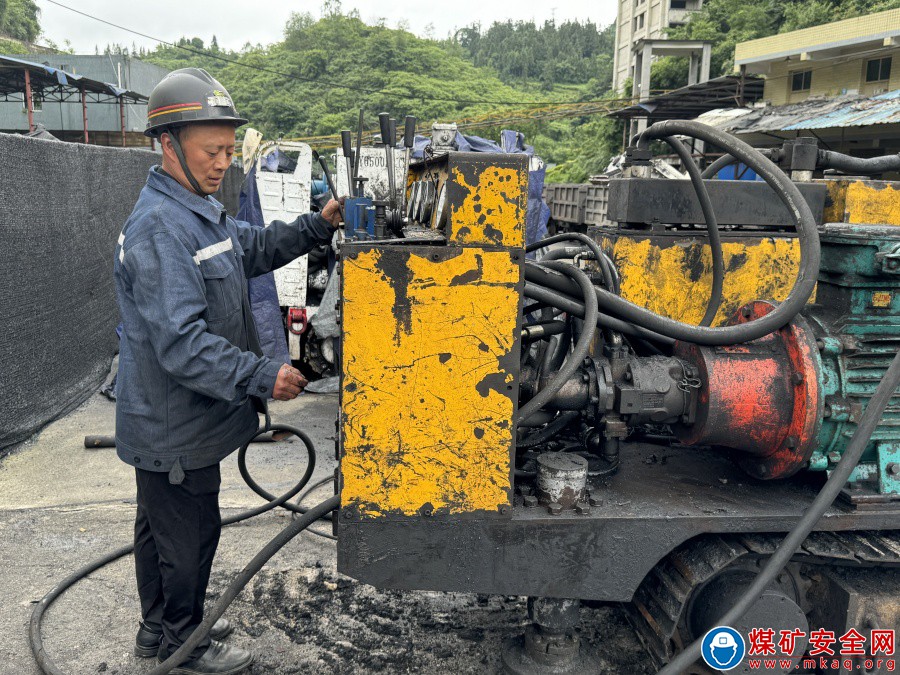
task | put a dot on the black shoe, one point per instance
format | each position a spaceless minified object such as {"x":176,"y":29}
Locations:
{"x":146,"y":644}
{"x":219,"y":659}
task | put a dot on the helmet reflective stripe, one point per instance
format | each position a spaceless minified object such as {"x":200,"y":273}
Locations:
{"x":169,"y":109}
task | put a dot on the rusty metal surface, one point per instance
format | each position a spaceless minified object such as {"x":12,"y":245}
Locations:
{"x":762,"y":398}
{"x":660,"y":498}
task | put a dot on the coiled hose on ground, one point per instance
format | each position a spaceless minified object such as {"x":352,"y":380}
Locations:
{"x":308,"y":517}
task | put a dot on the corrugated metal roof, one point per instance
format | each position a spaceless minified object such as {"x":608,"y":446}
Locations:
{"x":881,"y":109}
{"x":849,"y":110}
{"x":43,"y":76}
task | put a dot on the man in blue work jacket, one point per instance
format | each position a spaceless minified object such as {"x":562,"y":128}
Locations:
{"x":192,"y":377}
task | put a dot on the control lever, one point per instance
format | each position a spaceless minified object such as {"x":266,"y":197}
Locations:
{"x":384,"y":121}
{"x":347,"y":148}
{"x":321,"y":160}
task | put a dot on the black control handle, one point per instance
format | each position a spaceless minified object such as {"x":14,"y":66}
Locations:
{"x":347,"y":144}
{"x":384,"y":121}
{"x":409,"y":131}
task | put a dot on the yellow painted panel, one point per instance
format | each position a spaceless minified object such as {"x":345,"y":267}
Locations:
{"x":490,"y":207}
{"x":675,"y":280}
{"x":873,"y":202}
{"x":429,"y":351}
{"x":836,"y":201}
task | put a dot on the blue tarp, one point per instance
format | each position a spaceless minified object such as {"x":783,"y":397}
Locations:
{"x":510,"y":142}
{"x":263,"y":294}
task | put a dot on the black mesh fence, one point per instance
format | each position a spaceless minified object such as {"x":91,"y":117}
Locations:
{"x":62,"y":206}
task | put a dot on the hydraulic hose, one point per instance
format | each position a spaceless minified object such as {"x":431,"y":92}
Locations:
{"x":581,"y":349}
{"x":43,"y":659}
{"x":807,"y":235}
{"x":548,"y":432}
{"x":563,"y":301}
{"x":235,"y":587}
{"x":786,"y":549}
{"x":717,"y":166}
{"x":858,"y":165}
{"x":773,"y":154}
{"x":607,"y":269}
{"x":712,"y":229}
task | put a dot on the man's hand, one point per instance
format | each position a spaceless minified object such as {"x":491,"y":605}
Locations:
{"x":289,"y":384}
{"x":332,"y":211}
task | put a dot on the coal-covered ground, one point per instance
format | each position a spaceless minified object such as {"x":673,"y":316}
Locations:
{"x":62,"y":505}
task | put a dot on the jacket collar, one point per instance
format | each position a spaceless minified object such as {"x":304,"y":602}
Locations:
{"x":205,"y":207}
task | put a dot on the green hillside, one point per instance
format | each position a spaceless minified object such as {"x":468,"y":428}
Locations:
{"x":315,"y":80}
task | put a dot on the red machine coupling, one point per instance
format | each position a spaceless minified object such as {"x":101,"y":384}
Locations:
{"x":296,"y":316}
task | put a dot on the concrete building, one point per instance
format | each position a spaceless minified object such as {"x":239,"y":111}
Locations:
{"x":844,"y":58}
{"x":645,"y":20}
{"x":65,"y":118}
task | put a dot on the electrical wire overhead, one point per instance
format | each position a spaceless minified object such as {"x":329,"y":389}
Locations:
{"x":292,"y":76}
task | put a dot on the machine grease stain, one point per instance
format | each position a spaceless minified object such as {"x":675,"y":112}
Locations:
{"x":471,"y":276}
{"x":394,"y":265}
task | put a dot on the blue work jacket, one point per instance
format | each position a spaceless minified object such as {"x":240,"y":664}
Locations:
{"x":189,"y":357}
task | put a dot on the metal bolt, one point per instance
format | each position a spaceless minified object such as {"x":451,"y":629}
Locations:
{"x":504,"y":509}
{"x":834,"y":457}
{"x":581,"y":508}
{"x":531,"y":501}
{"x":797,"y":378}
{"x":426,"y":511}
{"x":745,"y":312}
{"x":893,"y":468}
{"x":555,"y":508}
{"x":435,"y":256}
{"x":820,"y":345}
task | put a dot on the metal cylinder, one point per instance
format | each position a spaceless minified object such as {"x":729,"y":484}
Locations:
{"x":561,"y":478}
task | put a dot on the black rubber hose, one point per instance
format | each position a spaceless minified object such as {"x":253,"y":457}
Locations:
{"x":545,"y":434}
{"x":712,"y":229}
{"x":568,"y":304}
{"x":581,"y":349}
{"x":858,"y":165}
{"x":786,"y":549}
{"x":235,"y":587}
{"x":43,"y":659}
{"x":607,"y":269}
{"x":543,"y":330}
{"x":717,"y":166}
{"x":773,"y":154}
{"x":265,"y":494}
{"x":807,"y":234}
{"x":303,"y":495}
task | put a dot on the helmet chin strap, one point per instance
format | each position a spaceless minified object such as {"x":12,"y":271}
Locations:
{"x":179,"y":153}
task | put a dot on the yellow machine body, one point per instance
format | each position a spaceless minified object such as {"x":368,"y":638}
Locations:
{"x":430,"y":343}
{"x":670,"y":273}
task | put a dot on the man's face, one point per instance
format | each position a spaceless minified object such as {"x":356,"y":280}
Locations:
{"x":208,"y":149}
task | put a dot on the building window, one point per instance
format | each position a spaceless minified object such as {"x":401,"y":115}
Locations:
{"x":801,"y":80}
{"x":678,"y":4}
{"x":37,"y":102}
{"x":640,"y":21}
{"x":878,"y":70}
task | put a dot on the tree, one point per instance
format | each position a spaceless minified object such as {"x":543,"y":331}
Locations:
{"x":19,"y":19}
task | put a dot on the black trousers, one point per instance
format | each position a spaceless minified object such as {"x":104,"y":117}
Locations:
{"x":176,"y":533}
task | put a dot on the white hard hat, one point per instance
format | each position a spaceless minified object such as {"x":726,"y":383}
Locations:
{"x":723,"y":640}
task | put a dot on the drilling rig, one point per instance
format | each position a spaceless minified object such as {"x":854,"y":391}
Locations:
{"x":548,"y":420}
